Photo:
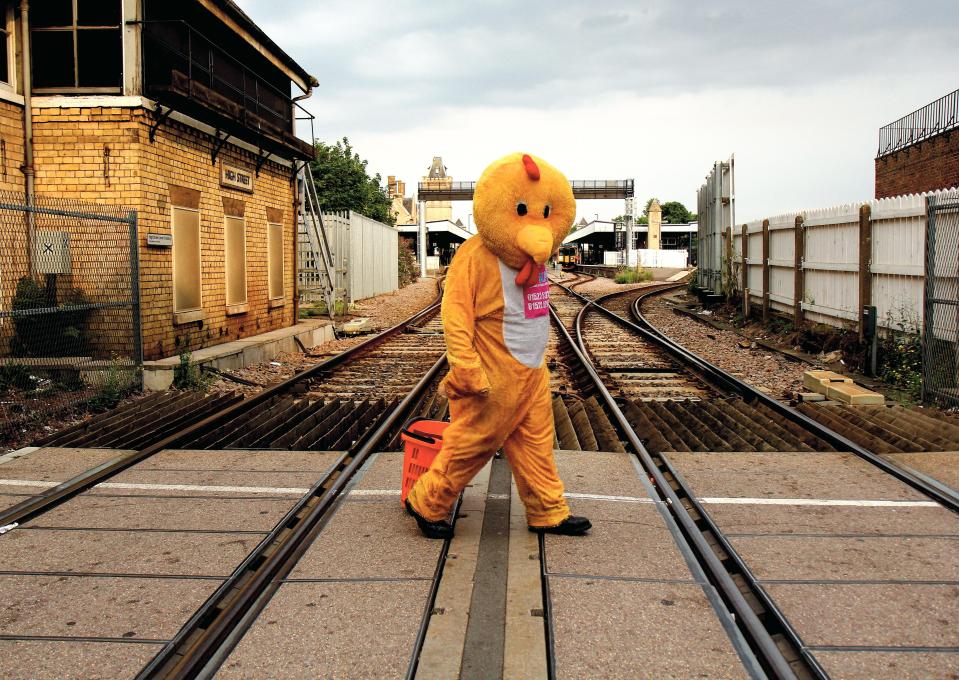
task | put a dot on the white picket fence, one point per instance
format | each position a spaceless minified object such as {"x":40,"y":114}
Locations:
{"x":653,"y":259}
{"x":835,"y":280}
{"x":364,"y":257}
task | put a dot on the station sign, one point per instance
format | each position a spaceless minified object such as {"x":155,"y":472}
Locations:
{"x":235,"y":177}
{"x":160,"y":240}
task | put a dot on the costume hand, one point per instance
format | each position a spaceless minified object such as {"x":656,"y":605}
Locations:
{"x":465,"y":382}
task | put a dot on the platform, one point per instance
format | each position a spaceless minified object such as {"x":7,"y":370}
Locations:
{"x":158,"y":375}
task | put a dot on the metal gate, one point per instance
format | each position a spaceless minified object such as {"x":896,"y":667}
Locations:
{"x":940,"y":360}
{"x":69,"y":308}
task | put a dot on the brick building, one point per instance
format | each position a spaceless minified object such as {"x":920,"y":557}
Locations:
{"x":183,"y":111}
{"x":920,"y":151}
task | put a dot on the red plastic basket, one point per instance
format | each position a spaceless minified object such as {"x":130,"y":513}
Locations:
{"x":422,"y":440}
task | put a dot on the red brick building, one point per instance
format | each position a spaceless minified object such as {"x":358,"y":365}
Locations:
{"x":920,"y":152}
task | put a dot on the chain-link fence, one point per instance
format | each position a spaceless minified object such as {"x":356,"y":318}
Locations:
{"x":69,"y":309}
{"x":941,"y":327}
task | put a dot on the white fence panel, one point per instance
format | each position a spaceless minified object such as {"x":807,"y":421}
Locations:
{"x":831,"y":264}
{"x":754,"y":264}
{"x":782,"y":262}
{"x":364,"y":258}
{"x":897,"y":264}
{"x":372,"y":266}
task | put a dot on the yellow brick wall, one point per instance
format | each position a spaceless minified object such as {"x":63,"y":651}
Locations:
{"x":70,"y":161}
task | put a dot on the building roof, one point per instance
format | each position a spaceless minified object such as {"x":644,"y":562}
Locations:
{"x":436,"y":226}
{"x":243,"y":25}
{"x":437,"y":169}
{"x":604,"y":227}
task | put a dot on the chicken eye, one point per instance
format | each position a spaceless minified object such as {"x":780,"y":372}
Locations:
{"x":521,"y":209}
{"x":546,"y":211}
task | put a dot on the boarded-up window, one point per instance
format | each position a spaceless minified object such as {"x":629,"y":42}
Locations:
{"x":235,"y":240}
{"x":274,"y":239}
{"x":186,"y":259}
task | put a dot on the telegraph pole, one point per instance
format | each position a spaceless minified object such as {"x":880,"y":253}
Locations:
{"x":629,"y":230}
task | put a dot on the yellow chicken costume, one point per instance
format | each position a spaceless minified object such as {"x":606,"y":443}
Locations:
{"x":496,"y":322}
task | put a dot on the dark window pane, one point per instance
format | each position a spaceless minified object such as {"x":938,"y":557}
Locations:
{"x":100,"y":56}
{"x":52,"y":55}
{"x":98,"y":12}
{"x":4,"y":65}
{"x":51,"y":13}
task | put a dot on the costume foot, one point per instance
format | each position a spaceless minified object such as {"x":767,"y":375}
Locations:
{"x":430,"y":529}
{"x":571,"y":526}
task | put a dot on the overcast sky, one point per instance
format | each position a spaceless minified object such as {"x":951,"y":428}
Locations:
{"x":654,"y":90}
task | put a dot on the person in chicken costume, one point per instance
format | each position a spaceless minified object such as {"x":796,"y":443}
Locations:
{"x":496,"y":322}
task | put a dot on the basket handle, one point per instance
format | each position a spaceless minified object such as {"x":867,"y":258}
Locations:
{"x":416,"y":435}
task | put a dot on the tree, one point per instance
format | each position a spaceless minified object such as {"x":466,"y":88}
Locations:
{"x":675,"y":212}
{"x":342,"y":182}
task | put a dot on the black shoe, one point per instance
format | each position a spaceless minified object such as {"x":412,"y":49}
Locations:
{"x":430,"y":529}
{"x":571,"y":526}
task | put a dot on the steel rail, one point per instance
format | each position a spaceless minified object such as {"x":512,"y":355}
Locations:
{"x":201,"y":639}
{"x":746,"y":619}
{"x":760,"y":592}
{"x":46,"y":500}
{"x":943,"y":495}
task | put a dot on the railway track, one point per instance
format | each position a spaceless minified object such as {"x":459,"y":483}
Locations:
{"x":319,"y":427}
{"x":680,"y":441}
{"x":617,"y":387}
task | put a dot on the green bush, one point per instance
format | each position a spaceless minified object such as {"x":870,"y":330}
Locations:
{"x":626,"y":275}
{"x":899,"y":362}
{"x":409,"y":270}
{"x":189,"y":376}
{"x":15,"y":375}
{"x":116,"y":386}
{"x":58,"y":332}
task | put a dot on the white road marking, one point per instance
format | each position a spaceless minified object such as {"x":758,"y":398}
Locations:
{"x":164,"y":487}
{"x":618,"y":499}
{"x":820,"y":502}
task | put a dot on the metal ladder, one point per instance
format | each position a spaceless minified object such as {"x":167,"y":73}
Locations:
{"x":312,"y":231}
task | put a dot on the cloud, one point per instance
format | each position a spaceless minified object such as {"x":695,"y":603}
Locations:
{"x":655,"y":89}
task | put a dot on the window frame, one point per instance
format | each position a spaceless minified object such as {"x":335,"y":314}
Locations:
{"x":186,"y":315}
{"x":73,"y":29}
{"x":235,"y":307}
{"x":10,"y":29}
{"x":275,"y":301}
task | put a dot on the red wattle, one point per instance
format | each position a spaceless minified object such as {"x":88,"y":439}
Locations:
{"x":528,"y":275}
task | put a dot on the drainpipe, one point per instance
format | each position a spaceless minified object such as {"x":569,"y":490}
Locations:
{"x":27,"y":123}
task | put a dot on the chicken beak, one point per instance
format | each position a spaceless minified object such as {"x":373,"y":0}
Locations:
{"x":536,"y":241}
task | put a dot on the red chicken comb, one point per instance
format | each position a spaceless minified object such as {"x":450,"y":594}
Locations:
{"x":532,"y":170}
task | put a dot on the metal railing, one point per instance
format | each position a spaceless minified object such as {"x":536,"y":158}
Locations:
{"x":178,"y":60}
{"x":932,"y":119}
{"x":436,"y":189}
